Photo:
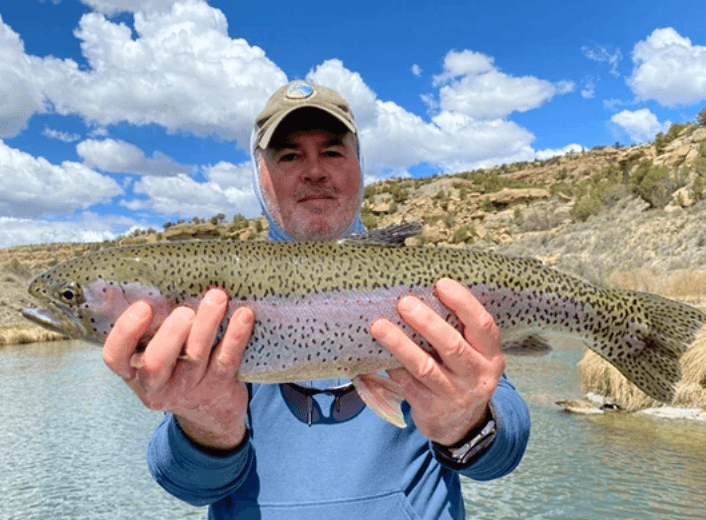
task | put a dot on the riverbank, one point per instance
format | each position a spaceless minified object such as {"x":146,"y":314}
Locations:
{"x":22,"y":336}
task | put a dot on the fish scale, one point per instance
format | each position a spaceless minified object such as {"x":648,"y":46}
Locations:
{"x":314,"y":303}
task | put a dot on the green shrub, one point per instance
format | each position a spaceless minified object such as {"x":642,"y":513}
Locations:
{"x":698,"y":188}
{"x":674,"y":131}
{"x":561,"y":187}
{"x":370,"y":221}
{"x":518,"y":216}
{"x":399,"y":194}
{"x":463,"y":235}
{"x":585,"y":207}
{"x":661,"y":143}
{"x":652,"y":183}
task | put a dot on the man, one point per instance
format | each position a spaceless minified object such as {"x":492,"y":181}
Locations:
{"x":312,"y":450}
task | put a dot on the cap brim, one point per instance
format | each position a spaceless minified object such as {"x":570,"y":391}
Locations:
{"x":264,"y":141}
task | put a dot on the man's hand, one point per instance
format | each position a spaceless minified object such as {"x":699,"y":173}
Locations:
{"x":200,"y":389}
{"x":451,"y":398}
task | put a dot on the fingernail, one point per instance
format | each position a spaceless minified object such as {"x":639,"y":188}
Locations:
{"x":216,"y":297}
{"x":444,"y":284}
{"x":245,"y":316}
{"x":407,"y":304}
{"x":185,"y":313}
{"x":140,"y":310}
{"x":136,"y":361}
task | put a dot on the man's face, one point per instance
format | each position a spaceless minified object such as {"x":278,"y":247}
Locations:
{"x":311,"y":183}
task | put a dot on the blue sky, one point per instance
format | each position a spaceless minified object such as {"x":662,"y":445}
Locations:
{"x":123,"y":114}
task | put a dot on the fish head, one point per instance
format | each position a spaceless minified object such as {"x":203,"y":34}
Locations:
{"x":60,"y":302}
{"x":74,"y":300}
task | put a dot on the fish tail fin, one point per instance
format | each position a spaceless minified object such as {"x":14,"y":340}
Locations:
{"x":661,"y":332}
{"x":382,"y":395}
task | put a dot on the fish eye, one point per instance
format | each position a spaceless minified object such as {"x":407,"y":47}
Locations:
{"x":70,"y":293}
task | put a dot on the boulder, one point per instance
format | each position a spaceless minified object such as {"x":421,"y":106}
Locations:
{"x":698,"y":135}
{"x":511,"y":197}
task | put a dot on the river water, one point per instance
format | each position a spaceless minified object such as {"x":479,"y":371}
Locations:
{"x":73,"y":437}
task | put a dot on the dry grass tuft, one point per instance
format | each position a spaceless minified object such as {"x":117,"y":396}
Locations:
{"x":22,"y":336}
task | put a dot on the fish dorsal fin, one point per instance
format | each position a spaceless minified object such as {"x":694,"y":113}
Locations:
{"x":387,"y":236}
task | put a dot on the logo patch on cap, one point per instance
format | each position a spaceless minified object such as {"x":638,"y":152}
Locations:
{"x":299,"y":90}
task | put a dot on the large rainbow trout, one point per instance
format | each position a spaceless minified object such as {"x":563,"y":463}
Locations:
{"x":315,"y":301}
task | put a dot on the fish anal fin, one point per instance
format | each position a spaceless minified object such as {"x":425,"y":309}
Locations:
{"x":382,"y":395}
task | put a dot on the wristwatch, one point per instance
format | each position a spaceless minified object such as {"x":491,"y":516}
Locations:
{"x":471,"y":447}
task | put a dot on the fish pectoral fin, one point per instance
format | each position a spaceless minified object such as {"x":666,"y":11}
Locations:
{"x":383,"y":396}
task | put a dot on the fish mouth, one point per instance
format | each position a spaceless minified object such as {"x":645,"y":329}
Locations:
{"x":68,"y":326}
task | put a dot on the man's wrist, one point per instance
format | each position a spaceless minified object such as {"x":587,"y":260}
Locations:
{"x":472,"y":446}
{"x":218,"y":444}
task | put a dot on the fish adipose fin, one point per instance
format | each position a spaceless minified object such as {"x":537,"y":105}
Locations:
{"x":387,"y":236}
{"x":649,"y":355}
{"x":382,"y":395}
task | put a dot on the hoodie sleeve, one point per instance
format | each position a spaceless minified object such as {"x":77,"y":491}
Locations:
{"x":190,"y":474}
{"x":512,"y":434}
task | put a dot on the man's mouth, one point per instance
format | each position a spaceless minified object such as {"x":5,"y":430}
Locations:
{"x":325,"y":195}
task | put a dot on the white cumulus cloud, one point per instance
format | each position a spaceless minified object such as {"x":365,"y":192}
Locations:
{"x":669,"y":69}
{"x":22,"y":80}
{"x":111,"y":7}
{"x":472,"y":84}
{"x":394,"y":140}
{"x":640,"y":125}
{"x":182,"y":71}
{"x":86,"y":228}
{"x":118,"y":156}
{"x":32,"y":186}
{"x":228,"y":190}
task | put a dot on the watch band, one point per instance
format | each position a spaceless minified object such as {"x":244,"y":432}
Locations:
{"x":471,"y":447}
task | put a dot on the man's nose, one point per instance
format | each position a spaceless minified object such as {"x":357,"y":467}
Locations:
{"x":314,"y":171}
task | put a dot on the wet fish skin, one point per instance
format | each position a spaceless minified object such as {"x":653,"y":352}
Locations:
{"x":314,"y":303}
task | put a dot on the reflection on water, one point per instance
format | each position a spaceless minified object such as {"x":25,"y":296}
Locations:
{"x":73,"y":440}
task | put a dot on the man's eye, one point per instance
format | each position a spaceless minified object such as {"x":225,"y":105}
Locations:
{"x":333,"y":153}
{"x":287,"y":157}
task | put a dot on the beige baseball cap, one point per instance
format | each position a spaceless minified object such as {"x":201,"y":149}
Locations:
{"x":293,"y":96}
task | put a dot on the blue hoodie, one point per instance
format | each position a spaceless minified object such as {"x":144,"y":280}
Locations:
{"x":359,"y":467}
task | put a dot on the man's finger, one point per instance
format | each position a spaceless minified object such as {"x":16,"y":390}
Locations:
{"x":229,"y":352}
{"x":418,"y":363}
{"x":205,"y":328}
{"x":123,"y":339}
{"x":480,"y":329}
{"x":448,"y":343}
{"x":161,"y":354}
